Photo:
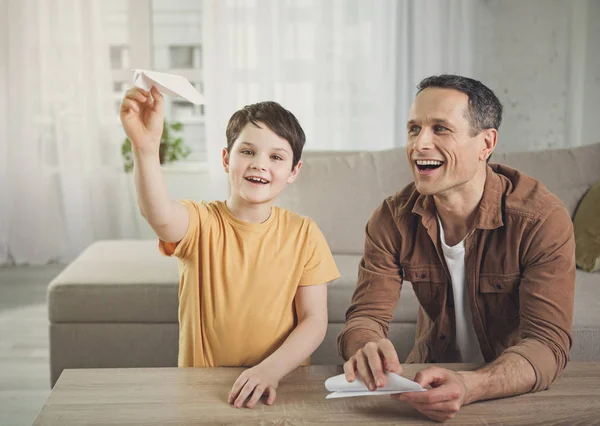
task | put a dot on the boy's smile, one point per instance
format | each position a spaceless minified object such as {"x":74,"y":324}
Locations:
{"x":257,"y":180}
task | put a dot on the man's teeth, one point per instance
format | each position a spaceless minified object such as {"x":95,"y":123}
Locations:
{"x":429,"y":163}
{"x":257,"y":180}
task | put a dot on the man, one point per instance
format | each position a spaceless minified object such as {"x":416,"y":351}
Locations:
{"x":490,"y":255}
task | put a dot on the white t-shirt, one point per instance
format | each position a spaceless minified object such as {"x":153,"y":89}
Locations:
{"x":466,"y":339}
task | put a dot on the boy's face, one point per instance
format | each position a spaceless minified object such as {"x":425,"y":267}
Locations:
{"x":259,"y":164}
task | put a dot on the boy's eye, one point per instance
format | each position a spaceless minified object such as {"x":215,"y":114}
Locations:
{"x":276,"y":157}
{"x":246,"y":152}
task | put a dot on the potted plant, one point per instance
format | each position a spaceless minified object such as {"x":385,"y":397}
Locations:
{"x":172,"y":147}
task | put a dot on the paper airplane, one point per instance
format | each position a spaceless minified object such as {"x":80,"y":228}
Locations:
{"x":394,"y":383}
{"x":170,"y":84}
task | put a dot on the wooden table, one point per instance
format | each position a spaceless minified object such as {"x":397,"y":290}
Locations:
{"x":173,"y":396}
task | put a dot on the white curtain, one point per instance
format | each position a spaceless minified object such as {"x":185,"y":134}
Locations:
{"x":3,"y":134}
{"x":346,"y":68}
{"x":62,"y":182}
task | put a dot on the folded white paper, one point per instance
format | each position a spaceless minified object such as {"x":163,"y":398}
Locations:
{"x":394,"y":383}
{"x":170,"y":84}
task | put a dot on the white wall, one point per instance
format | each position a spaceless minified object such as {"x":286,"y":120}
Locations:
{"x":541,"y":57}
{"x":591,"y":104}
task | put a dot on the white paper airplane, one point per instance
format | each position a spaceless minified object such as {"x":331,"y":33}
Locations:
{"x":394,"y":383}
{"x":170,"y":84}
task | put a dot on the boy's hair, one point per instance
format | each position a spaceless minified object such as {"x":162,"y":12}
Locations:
{"x":281,"y":122}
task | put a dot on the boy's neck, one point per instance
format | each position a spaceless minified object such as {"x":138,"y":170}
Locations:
{"x":252,"y":213}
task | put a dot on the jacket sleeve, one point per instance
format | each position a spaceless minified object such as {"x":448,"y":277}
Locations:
{"x":546,"y":296}
{"x":378,"y":288}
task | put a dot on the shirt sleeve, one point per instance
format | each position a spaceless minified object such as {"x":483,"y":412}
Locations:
{"x":199,"y":214}
{"x":379,"y":282}
{"x":320,"y":267}
{"x":546,"y":297}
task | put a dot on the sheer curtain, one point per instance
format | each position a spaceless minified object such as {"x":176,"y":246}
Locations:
{"x":62,"y":185}
{"x":346,"y":68}
{"x":4,"y":104}
{"x":433,"y":37}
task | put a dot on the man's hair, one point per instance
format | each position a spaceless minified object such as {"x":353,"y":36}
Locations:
{"x":484,"y":110}
{"x":281,"y":122}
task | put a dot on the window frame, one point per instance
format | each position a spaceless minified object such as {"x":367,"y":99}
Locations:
{"x":140,"y":54}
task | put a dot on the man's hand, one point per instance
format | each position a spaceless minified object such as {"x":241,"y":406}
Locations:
{"x":372,"y":362}
{"x":253,"y":383}
{"x":447,"y":395}
{"x":142,"y":117}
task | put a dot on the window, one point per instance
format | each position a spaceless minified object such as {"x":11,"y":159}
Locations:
{"x":118,"y":57}
{"x":166,"y":36}
{"x":185,"y":57}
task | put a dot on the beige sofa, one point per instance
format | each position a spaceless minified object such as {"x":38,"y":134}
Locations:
{"x":116,"y":304}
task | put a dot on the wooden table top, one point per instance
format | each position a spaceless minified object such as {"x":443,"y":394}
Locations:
{"x":186,"y":396}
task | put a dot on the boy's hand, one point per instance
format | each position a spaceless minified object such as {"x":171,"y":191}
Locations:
{"x":371,"y":362}
{"x":142,"y":117}
{"x":253,"y":383}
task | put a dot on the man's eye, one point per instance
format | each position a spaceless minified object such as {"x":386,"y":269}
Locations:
{"x":414,"y":129}
{"x":439,"y":128}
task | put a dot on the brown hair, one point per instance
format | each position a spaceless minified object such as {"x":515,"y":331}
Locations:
{"x":278,"y":119}
{"x":484,"y":110}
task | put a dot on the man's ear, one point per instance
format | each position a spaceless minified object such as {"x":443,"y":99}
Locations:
{"x":225,"y":158}
{"x":490,"y":138}
{"x":295,"y":172}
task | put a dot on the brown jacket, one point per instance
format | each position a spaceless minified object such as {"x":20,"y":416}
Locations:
{"x":519,"y":271}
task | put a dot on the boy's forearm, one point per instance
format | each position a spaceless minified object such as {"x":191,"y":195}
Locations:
{"x":300,"y":344}
{"x":151,"y":188}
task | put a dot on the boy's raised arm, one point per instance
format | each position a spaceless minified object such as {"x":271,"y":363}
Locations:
{"x":142,"y":118}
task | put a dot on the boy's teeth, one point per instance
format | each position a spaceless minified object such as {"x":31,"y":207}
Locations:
{"x":257,"y":180}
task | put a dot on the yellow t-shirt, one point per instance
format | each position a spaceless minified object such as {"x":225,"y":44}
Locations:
{"x":238,"y":281}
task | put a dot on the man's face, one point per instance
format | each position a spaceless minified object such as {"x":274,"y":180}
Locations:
{"x":442,"y":154}
{"x":259,"y":164}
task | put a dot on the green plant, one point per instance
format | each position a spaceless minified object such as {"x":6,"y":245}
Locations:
{"x":172,"y":147}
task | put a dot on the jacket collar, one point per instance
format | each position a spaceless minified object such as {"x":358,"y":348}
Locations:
{"x":489,"y":213}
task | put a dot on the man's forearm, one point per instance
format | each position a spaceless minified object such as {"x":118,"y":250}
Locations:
{"x":152,"y":195}
{"x":509,"y":375}
{"x":355,"y":339}
{"x":299,"y":345}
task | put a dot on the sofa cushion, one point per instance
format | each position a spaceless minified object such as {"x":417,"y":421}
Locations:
{"x":129,"y":281}
{"x":121,"y":281}
{"x":587,"y":300}
{"x":326,"y":191}
{"x":587,"y":230}
{"x":586,"y":318}
{"x":340,"y":193}
{"x":340,"y":293}
{"x":568,"y":173}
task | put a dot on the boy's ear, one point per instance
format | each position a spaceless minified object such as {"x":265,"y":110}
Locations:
{"x":294,"y":173}
{"x":225,"y":158}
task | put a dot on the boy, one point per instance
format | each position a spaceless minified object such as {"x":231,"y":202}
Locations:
{"x":253,"y":287}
